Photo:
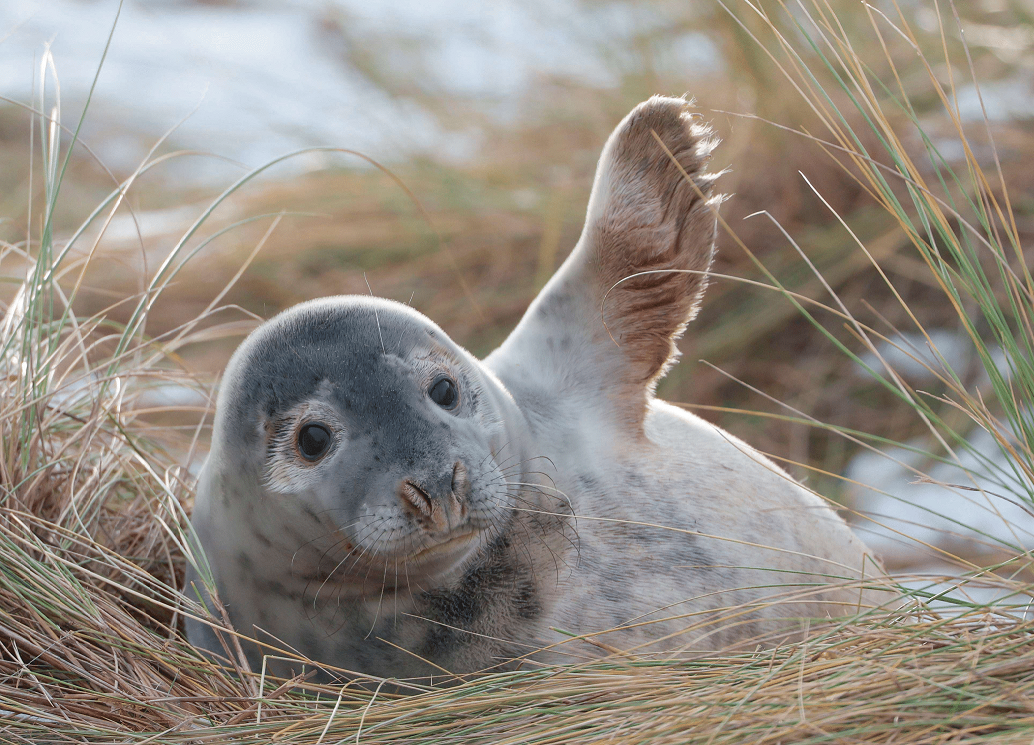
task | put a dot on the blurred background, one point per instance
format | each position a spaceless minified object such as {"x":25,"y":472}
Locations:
{"x":493,"y":115}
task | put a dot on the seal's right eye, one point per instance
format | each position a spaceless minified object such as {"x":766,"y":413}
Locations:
{"x":444,"y":393}
{"x":313,"y":441}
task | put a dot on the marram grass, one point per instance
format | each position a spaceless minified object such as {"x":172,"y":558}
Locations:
{"x":93,"y":509}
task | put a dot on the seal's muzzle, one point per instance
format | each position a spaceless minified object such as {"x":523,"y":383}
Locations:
{"x":438,"y":505}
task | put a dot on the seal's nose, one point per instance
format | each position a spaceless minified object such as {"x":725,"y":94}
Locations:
{"x":438,"y":504}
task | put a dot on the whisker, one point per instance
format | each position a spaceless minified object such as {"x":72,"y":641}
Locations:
{"x":376,"y":316}
{"x":358,"y":543}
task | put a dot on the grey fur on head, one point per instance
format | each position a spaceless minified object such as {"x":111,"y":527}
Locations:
{"x":380,"y":502}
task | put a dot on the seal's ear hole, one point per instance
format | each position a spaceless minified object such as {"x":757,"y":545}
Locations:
{"x":314,"y":441}
{"x":444,"y":393}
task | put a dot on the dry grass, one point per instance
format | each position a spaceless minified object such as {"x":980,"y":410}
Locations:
{"x":94,"y":495}
{"x":929,"y":681}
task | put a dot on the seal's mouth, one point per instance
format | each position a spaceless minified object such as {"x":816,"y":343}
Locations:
{"x":450,"y":546}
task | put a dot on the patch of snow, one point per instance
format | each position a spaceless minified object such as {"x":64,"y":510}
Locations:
{"x":970,"y":503}
{"x":263,"y":85}
{"x":127,"y":229}
{"x":171,"y":395}
{"x":76,"y":388}
{"x":917,"y":360}
{"x":943,"y":582}
{"x":268,"y":78}
{"x":975,"y":504}
{"x":1002,"y":99}
{"x":952,"y":151}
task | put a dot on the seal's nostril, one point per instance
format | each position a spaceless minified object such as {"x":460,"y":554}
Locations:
{"x":460,"y":490}
{"x":460,"y":482}
{"x":416,"y":498}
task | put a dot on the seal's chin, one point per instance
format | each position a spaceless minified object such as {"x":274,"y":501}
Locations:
{"x":440,"y":558}
{"x":457,"y":544}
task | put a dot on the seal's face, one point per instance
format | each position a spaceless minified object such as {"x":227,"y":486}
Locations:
{"x":363,"y":418}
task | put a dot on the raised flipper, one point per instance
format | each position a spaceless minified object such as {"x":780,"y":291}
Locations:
{"x":605,"y":326}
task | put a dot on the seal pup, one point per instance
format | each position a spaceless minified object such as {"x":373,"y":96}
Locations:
{"x":378,"y":500}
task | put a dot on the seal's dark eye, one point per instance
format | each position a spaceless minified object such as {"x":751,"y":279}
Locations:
{"x":443,"y":392}
{"x":313,"y":441}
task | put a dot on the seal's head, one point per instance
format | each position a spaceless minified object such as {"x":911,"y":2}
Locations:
{"x":378,"y":440}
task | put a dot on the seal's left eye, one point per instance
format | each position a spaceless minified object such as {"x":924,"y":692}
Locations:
{"x":313,"y":441}
{"x":443,"y":392}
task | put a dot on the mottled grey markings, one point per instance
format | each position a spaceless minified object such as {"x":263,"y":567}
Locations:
{"x":278,"y":589}
{"x":498,"y":582}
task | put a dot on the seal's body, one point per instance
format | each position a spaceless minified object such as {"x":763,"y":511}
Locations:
{"x":379,"y":501}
